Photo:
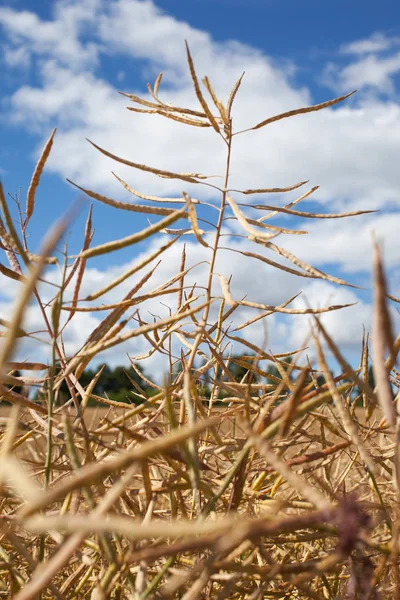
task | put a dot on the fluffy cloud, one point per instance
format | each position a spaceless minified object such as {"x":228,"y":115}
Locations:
{"x":345,"y":326}
{"x":368,"y":71}
{"x":17,"y":57}
{"x":349,"y":150}
{"x":374,"y":63}
{"x":347,"y":243}
{"x":377,"y":42}
{"x":58,"y":38}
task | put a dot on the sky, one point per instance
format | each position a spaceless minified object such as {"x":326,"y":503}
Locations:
{"x":62,"y":65}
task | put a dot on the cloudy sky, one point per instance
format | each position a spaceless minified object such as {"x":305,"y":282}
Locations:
{"x":63,"y":63}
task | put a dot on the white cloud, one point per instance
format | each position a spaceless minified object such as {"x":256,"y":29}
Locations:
{"x":370,"y":71}
{"x":374,"y":64}
{"x":349,"y":151}
{"x":68,"y":100}
{"x":16,"y":56}
{"x":58,"y":38}
{"x":377,"y":42}
{"x":345,"y":326}
{"x":347,"y":242}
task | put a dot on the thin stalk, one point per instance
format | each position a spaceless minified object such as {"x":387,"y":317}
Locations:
{"x":214,"y":252}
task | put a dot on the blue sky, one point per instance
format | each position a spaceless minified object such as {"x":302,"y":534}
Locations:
{"x":63,"y":63}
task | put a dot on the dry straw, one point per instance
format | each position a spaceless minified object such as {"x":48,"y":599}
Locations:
{"x":253,"y":476}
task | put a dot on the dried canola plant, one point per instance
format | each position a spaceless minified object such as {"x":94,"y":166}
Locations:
{"x":286,"y":491}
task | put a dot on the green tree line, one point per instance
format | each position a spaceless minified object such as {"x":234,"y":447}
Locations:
{"x":126,"y":384}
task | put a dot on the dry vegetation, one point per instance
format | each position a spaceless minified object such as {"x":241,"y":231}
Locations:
{"x":285,"y":492}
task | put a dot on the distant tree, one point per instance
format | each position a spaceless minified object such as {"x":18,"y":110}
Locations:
{"x":320,"y":379}
{"x":239,"y":369}
{"x":177,"y":369}
{"x":15,"y":388}
{"x":113,"y":383}
{"x":357,"y":394}
{"x":18,"y":389}
{"x":275,"y":372}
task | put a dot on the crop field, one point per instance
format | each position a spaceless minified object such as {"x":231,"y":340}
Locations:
{"x":243,"y":477}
